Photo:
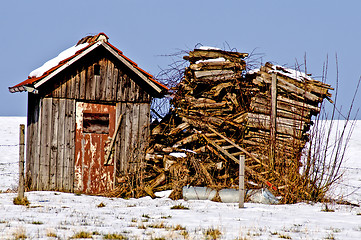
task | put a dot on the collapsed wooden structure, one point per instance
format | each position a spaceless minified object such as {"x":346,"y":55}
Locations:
{"x":219,"y":113}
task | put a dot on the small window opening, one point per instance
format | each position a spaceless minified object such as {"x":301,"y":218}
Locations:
{"x":96,"y":123}
{"x":97,"y":70}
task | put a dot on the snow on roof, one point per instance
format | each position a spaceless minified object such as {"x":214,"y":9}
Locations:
{"x":72,"y":54}
{"x":55,"y":61}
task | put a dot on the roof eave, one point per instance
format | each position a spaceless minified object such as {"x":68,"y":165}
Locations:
{"x":70,"y":62}
{"x":158,"y":89}
{"x":24,"y":88}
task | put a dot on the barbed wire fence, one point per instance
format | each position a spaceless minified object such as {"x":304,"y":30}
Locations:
{"x":13,"y":171}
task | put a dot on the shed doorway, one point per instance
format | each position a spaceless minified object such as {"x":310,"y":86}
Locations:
{"x":95,"y":124}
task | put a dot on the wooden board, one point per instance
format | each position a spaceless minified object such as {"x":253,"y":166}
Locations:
{"x":54,"y":144}
{"x":44,"y":158}
{"x":61,"y":145}
{"x":115,"y":83}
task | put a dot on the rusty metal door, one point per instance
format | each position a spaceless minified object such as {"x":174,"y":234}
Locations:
{"x":95,"y":125}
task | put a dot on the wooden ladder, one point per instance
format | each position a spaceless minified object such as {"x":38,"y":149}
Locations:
{"x":231,"y":150}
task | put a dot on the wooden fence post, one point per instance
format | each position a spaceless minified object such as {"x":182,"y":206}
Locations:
{"x":273,"y":120}
{"x":21,"y":188}
{"x":241,"y":181}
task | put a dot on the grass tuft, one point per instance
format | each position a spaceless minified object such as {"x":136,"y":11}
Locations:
{"x":114,"y":236}
{"x":212,"y":233}
{"x":330,"y":236}
{"x":51,"y":235}
{"x":82,"y":234}
{"x":284,"y":236}
{"x":185,"y":234}
{"x":178,"y":228}
{"x":20,"y":234}
{"x":327,"y":209}
{"x":21,"y":201}
{"x":37,"y":223}
{"x":180,"y":206}
{"x":157,"y":225}
{"x":141,"y":226}
{"x":100,"y":205}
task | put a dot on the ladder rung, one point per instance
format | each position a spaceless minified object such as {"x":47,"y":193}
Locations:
{"x":227,"y":147}
{"x":237,"y":154}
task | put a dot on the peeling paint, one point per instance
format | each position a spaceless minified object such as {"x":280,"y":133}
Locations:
{"x":91,"y":176}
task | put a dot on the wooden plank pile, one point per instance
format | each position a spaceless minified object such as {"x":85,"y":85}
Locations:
{"x":220,"y":113}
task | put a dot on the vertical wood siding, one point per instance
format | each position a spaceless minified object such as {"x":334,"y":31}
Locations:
{"x":50,"y":145}
{"x":132,"y":140}
{"x":114,"y":84}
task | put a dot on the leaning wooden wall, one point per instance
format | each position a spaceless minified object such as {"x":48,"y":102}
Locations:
{"x":50,"y":146}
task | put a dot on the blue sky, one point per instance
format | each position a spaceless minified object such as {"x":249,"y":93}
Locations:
{"x":283,"y":31}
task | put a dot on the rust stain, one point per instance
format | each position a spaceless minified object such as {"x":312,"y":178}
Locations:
{"x":91,"y":176}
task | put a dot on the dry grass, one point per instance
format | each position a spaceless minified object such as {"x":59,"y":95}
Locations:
{"x":20,"y":233}
{"x":212,"y":233}
{"x":21,"y":201}
{"x":37,"y":222}
{"x":82,"y":234}
{"x":327,"y":209}
{"x":157,"y":225}
{"x":51,"y":234}
{"x":180,"y":206}
{"x":114,"y":236}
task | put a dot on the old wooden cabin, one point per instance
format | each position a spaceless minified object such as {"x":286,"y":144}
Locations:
{"x":88,"y":118}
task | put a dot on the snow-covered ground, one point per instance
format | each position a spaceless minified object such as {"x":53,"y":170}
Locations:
{"x":64,"y":215}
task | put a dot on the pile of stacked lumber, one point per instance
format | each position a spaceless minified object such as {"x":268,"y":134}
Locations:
{"x":220,"y":113}
{"x":296,"y":97}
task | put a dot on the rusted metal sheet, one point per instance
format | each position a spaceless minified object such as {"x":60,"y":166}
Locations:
{"x":95,"y":125}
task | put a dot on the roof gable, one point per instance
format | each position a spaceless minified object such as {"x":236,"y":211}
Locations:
{"x":84,"y":46}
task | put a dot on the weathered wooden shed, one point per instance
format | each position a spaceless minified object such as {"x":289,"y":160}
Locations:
{"x":88,"y":118}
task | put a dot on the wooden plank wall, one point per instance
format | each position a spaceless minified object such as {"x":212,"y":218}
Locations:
{"x":50,"y":147}
{"x":131,"y":142}
{"x":31,"y":132}
{"x":114,"y":84}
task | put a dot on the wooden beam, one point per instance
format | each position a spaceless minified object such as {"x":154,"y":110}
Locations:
{"x":273,"y":119}
{"x":155,"y":182}
{"x":110,"y":147}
